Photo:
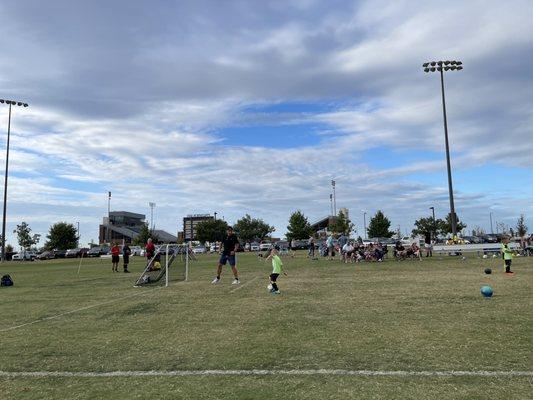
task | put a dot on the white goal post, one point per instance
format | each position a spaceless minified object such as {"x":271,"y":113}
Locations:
{"x":170,"y":262}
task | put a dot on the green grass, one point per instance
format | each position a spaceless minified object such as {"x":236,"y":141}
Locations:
{"x":412,"y":316}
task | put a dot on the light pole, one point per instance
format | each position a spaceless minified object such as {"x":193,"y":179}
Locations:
{"x":216,"y":215}
{"x":78,"y":231}
{"x":334,"y":198}
{"x":108,"y":217}
{"x":152,"y":205}
{"x":434,"y":233}
{"x":331,"y":202}
{"x":442,"y":66}
{"x":9,"y":103}
{"x":491,"y":230}
{"x":364,"y":220}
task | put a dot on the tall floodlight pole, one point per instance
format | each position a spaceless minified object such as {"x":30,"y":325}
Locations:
{"x":78,"y":232}
{"x":331,"y":203}
{"x":434,"y":230}
{"x":152,"y":205}
{"x":364,"y":220}
{"x":442,"y":66}
{"x":108,"y":217}
{"x":334,"y":198}
{"x":9,"y":103}
{"x":491,"y":230}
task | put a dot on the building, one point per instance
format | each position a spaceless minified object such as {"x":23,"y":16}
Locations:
{"x":124,"y":226}
{"x":322,"y":225}
{"x":189,"y":225}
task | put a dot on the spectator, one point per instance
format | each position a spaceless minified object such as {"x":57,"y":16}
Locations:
{"x":399,"y":251}
{"x":126,"y":251}
{"x":347,"y":252}
{"x":150,"y":249}
{"x":329,"y":245}
{"x":342,"y":241}
{"x":311,"y":247}
{"x":115,"y":258}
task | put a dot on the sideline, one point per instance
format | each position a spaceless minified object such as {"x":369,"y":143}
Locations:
{"x":262,"y":372}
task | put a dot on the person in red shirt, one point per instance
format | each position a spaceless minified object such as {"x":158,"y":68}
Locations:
{"x":115,"y":251}
{"x":150,"y":249}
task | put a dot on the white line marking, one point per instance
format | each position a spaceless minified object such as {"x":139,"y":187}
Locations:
{"x":262,"y":372}
{"x":12,"y":328}
{"x":244,"y":284}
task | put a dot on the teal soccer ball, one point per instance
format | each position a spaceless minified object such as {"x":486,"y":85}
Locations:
{"x":486,"y":291}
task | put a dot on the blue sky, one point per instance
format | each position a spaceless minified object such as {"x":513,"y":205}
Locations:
{"x":253,"y":107}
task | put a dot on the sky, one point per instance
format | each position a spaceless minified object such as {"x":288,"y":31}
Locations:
{"x":248,"y":107}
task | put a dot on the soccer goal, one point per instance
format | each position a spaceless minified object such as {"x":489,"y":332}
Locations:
{"x":170,"y":262}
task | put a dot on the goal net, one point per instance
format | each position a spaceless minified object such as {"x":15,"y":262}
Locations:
{"x":170,"y":262}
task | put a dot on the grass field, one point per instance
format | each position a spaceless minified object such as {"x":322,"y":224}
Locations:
{"x":392,"y":316}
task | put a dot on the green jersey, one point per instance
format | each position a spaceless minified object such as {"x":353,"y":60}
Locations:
{"x":507,"y":253}
{"x":276,"y":264}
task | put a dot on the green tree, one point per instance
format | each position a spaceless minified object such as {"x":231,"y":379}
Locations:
{"x":521,"y":228}
{"x":62,"y":236}
{"x":211,"y":230}
{"x":9,"y":248}
{"x":299,"y":227}
{"x":24,"y":236}
{"x":446,"y":226}
{"x":379,"y":226}
{"x":342,"y":224}
{"x":248,"y":228}
{"x":144,"y":234}
{"x":426,"y":225}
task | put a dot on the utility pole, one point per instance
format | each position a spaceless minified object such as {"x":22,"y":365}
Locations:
{"x":334,"y":198}
{"x":441,"y":67}
{"x":152,"y":226}
{"x":108,"y":231}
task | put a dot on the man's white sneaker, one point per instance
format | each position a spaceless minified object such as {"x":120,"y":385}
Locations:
{"x":236,"y":282}
{"x":215,"y":281}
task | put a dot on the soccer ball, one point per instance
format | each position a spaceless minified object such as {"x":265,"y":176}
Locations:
{"x":494,"y":256}
{"x":464,"y":258}
{"x":488,"y":271}
{"x":269,"y":287}
{"x":486,"y":291}
{"x":485,"y":256}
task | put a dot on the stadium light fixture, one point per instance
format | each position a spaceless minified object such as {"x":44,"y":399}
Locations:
{"x":454,"y":66}
{"x":9,"y":103}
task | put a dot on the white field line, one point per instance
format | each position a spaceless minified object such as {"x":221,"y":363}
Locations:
{"x":12,"y":328}
{"x":243,"y":285}
{"x":263,"y":372}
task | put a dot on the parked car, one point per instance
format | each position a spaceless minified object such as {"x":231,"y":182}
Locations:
{"x":214,"y":248}
{"x":24,"y":256}
{"x":247,"y":247}
{"x":282,"y":244}
{"x":60,"y":253}
{"x":254,"y":246}
{"x":46,"y":255}
{"x":199,"y":250}
{"x":136,"y":250}
{"x":301,"y":244}
{"x":75,"y":253}
{"x":265,"y":246}
{"x":98,"y":251}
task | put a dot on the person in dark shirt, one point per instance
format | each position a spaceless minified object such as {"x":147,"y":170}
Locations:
{"x":229,"y":246}
{"x":126,"y":251}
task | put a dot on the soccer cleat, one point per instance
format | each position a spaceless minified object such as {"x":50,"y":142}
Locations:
{"x":236,"y":282}
{"x":215,"y":281}
{"x":276,"y":292}
{"x":510,"y":273}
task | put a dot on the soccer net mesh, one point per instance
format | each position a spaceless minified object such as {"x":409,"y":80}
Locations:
{"x":170,"y":262}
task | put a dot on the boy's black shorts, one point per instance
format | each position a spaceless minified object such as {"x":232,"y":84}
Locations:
{"x":508,"y":263}
{"x":273,"y":277}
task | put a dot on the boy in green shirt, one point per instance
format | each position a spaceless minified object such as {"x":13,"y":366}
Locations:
{"x":507,"y":255}
{"x":277,"y":268}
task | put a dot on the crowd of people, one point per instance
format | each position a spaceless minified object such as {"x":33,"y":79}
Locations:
{"x":350,"y":251}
